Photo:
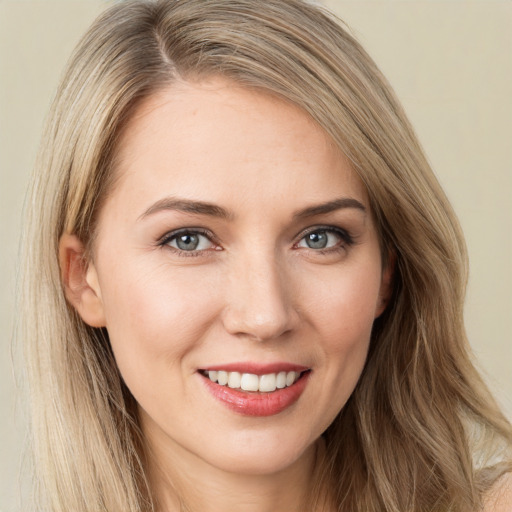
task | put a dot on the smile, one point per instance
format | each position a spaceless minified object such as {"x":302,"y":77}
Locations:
{"x":266,"y":383}
{"x":256,"y":391}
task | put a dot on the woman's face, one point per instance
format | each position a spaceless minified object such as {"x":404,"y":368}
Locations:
{"x":237,"y":245}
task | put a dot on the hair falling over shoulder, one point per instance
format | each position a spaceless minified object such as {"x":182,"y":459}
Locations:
{"x":421,"y":431}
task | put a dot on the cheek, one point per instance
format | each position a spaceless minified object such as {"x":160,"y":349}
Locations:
{"x":156,"y":316}
{"x":346,"y":336}
{"x":342,"y":313}
{"x":344,"y":306}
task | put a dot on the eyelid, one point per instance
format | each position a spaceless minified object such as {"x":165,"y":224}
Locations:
{"x":346,"y":238}
{"x":342,"y":233}
{"x":164,"y":240}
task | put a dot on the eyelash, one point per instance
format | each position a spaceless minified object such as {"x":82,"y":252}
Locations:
{"x":346,"y":240}
{"x":169,"y":237}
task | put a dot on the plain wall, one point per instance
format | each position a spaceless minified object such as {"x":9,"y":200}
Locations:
{"x":450,"y":63}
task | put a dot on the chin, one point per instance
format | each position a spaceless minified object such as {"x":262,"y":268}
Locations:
{"x":262,"y":455}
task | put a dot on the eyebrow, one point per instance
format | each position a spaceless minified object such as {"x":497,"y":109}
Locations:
{"x":187,"y":206}
{"x":330,"y":206}
{"x":213,"y":210}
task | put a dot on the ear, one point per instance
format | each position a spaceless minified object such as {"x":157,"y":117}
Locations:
{"x":386,"y":285}
{"x":80,"y":281}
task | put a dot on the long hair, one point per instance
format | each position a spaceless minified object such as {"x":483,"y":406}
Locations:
{"x":420,"y":431}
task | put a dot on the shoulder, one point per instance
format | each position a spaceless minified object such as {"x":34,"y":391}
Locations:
{"x":499,"y":497}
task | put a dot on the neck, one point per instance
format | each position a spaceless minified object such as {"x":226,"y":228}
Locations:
{"x":181,"y":482}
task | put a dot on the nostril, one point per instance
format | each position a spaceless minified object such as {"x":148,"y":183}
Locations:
{"x":259,"y":331}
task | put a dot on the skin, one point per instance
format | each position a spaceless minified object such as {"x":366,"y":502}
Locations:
{"x":499,"y":498}
{"x":253,"y":291}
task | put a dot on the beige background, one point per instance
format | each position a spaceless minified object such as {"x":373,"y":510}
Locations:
{"x":450,"y":63}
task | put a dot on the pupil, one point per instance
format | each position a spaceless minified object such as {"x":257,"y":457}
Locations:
{"x":187,"y":242}
{"x":317,"y":240}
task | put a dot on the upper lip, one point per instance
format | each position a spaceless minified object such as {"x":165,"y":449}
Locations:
{"x":257,"y":368}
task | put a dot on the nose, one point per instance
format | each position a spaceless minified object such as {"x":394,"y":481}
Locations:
{"x":258,"y":302}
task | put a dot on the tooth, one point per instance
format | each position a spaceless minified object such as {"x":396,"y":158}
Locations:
{"x":268,"y":382}
{"x":249,"y":382}
{"x":234,"y":380}
{"x":281,"y":380}
{"x":222,"y":378}
{"x":290,"y":378}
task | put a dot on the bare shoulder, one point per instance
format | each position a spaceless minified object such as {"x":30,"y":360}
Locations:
{"x":499,"y":498}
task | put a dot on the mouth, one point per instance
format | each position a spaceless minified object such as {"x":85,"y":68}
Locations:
{"x":259,"y":393}
{"x":251,"y":382}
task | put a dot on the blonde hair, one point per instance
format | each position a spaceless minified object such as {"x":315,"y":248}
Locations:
{"x":420,"y":416}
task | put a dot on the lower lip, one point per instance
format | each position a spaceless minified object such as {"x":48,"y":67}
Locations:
{"x":257,"y":404}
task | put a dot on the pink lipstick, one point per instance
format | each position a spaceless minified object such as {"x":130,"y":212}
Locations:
{"x":254,"y":389}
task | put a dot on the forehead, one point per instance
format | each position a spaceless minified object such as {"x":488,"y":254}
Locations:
{"x":213,"y":137}
{"x":210,"y":109}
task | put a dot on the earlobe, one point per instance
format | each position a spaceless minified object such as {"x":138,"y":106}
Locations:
{"x":80,"y":281}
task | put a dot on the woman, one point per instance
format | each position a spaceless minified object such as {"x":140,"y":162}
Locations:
{"x":252,"y":282}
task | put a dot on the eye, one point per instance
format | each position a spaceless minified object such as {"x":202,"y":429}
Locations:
{"x":324,"y":238}
{"x":188,"y":241}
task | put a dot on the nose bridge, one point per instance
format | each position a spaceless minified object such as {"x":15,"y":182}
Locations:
{"x":258,"y":303}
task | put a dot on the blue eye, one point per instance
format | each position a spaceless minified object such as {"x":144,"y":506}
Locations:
{"x":188,"y":241}
{"x":324,"y":239}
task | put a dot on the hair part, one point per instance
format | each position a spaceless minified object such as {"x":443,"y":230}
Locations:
{"x":406,"y":438}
